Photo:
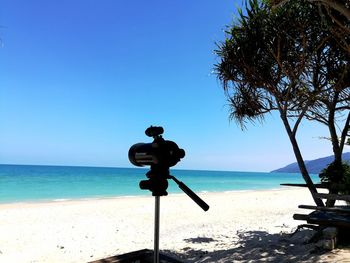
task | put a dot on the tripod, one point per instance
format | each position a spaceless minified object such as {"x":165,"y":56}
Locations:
{"x":157,"y":183}
{"x":156,"y":229}
{"x":160,"y":155}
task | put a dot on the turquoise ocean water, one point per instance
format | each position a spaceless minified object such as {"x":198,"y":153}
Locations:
{"x":23,"y":183}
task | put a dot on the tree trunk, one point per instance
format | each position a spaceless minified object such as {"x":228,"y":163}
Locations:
{"x":346,"y":130}
{"x":300,"y":161}
{"x":336,"y":149}
{"x":334,"y":137}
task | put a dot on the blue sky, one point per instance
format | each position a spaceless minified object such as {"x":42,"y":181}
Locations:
{"x":80,"y":81}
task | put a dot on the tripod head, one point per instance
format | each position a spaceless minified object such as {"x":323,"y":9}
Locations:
{"x":160,"y":155}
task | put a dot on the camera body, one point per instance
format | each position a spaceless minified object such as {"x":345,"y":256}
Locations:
{"x":160,"y":155}
{"x":159,"y":152}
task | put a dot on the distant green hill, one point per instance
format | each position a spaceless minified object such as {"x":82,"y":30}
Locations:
{"x":313,"y":166}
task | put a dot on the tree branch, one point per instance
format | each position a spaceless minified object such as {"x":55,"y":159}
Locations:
{"x":342,"y":9}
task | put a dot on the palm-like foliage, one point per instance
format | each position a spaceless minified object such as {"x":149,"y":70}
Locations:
{"x":284,"y":59}
{"x":264,"y":57}
{"x":337,"y":12}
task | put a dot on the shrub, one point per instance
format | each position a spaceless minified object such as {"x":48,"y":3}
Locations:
{"x":337,"y":173}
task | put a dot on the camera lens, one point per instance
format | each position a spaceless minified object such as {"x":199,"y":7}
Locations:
{"x":141,"y":154}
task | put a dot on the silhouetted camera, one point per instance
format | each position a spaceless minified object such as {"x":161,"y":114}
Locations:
{"x":159,"y":152}
{"x":160,"y":155}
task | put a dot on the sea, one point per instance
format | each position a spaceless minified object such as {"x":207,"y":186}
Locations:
{"x":34,"y":183}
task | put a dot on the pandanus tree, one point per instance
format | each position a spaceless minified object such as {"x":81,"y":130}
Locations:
{"x":335,"y":18}
{"x":276,"y":59}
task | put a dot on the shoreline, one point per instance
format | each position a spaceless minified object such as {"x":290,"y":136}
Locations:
{"x":238,"y":227}
{"x":72,"y":199}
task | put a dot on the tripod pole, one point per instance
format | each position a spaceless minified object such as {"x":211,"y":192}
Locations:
{"x":156,"y":229}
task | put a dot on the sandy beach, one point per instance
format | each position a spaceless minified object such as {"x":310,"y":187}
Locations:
{"x":250,"y":226}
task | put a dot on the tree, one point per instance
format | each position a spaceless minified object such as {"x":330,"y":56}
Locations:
{"x":272,"y":60}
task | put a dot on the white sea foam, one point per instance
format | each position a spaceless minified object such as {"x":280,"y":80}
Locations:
{"x":61,"y":200}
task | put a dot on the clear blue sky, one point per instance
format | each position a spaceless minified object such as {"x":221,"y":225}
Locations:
{"x":80,"y":80}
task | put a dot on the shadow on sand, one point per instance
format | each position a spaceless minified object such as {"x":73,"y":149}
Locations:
{"x":253,"y":246}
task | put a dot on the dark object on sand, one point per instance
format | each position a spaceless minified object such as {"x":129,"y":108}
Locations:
{"x":140,"y":256}
{"x":324,"y":217}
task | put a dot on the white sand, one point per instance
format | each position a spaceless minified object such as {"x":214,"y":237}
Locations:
{"x":239,"y":227}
